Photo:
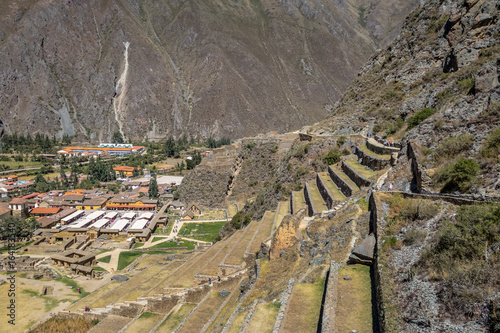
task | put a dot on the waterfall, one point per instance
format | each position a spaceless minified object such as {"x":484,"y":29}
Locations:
{"x":120,"y":92}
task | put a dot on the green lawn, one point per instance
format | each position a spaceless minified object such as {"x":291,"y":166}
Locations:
{"x":155,"y":239}
{"x":99,"y":269}
{"x":126,"y":258}
{"x":363,"y":170}
{"x":136,"y":245}
{"x":105,"y":259}
{"x":169,"y":244}
{"x":201,"y":228}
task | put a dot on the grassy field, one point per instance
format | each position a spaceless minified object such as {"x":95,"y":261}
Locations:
{"x":236,"y":256}
{"x":136,"y":245}
{"x":299,"y":201}
{"x":264,"y":231}
{"x":284,"y":208}
{"x":111,"y":323}
{"x":31,"y":305}
{"x":232,"y":209}
{"x":126,"y":258}
{"x":149,"y":283}
{"x":354,"y":306}
{"x":316,"y":197}
{"x":204,"y":312}
{"x":168,"y":244}
{"x":174,"y":319}
{"x":264,"y":317}
{"x":105,"y":259}
{"x":144,"y":323}
{"x":211,"y":267}
{"x":201,"y":228}
{"x":115,"y":293}
{"x":345,"y":177}
{"x":93,"y":297}
{"x":238,"y":321}
{"x":224,"y":314}
{"x":364,"y":171}
{"x":303,"y":310}
{"x":332,"y":188}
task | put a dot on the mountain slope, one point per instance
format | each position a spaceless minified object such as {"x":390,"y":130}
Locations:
{"x":155,"y":68}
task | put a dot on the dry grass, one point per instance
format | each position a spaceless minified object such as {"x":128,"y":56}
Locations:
{"x":330,"y":185}
{"x":30,"y":305}
{"x":299,"y":201}
{"x":224,"y":314}
{"x":203,"y":314}
{"x":364,"y":171}
{"x":264,"y":317}
{"x":59,"y":324}
{"x":113,"y":295}
{"x":354,"y":307}
{"x":238,"y":321}
{"x":212,"y":266}
{"x":174,"y":319}
{"x":264,"y":231}
{"x":111,"y":323}
{"x":236,"y":256}
{"x":316,"y":198}
{"x":93,"y":297}
{"x":143,"y":288}
{"x":144,"y":323}
{"x":345,"y":177}
{"x":304,"y":306}
{"x":284,"y":208}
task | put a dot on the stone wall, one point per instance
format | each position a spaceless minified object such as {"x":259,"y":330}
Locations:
{"x":330,"y":304}
{"x":346,"y":189}
{"x":379,"y":309}
{"x":355,"y":177}
{"x":284,"y":302}
{"x":128,"y":309}
{"x":325,"y":193}
{"x":382,"y":150}
{"x":373,"y":162}
{"x":307,"y":196}
{"x":162,"y":304}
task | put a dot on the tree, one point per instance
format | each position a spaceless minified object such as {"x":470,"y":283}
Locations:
{"x":41,"y":184}
{"x":118,"y":137}
{"x":18,"y":227}
{"x":153,"y":188}
{"x":64,"y":178}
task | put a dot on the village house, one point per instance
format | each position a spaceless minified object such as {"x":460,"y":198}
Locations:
{"x":125,"y":171}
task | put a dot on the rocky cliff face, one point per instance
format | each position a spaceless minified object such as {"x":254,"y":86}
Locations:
{"x":155,"y":68}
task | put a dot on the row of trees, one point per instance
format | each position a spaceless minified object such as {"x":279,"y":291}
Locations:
{"x":41,"y":142}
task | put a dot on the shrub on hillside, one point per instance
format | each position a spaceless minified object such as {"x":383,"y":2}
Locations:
{"x":491,"y":148}
{"x":458,"y":176}
{"x":465,"y":258}
{"x":332,"y":157}
{"x":420,"y":116}
{"x":453,"y":146}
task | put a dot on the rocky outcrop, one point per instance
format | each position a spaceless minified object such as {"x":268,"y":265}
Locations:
{"x":363,"y":253}
{"x":285,"y":235}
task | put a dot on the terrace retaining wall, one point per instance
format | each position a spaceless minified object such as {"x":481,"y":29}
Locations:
{"x":325,"y":193}
{"x":373,"y":162}
{"x":346,"y":189}
{"x":355,"y":177}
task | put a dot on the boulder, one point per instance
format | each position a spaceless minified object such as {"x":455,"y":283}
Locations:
{"x":224,"y":293}
{"x":119,"y":278}
{"x":363,"y":252}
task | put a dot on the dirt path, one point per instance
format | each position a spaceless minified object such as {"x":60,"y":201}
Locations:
{"x":113,"y":262}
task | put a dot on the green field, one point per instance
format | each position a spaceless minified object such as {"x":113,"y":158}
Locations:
{"x":105,"y":259}
{"x":201,"y":228}
{"x":126,"y":258}
{"x":171,"y":244}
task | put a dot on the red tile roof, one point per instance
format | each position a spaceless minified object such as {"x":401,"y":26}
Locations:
{"x":45,"y":211}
